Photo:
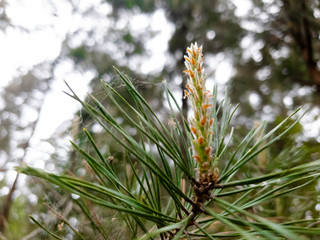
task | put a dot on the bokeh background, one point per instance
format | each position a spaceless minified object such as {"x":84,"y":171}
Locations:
{"x":265,"y":52}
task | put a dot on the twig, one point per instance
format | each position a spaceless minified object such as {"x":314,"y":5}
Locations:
{"x":32,"y":234}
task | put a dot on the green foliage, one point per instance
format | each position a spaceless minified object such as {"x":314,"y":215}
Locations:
{"x":79,"y":53}
{"x":18,"y":217}
{"x":155,"y":192}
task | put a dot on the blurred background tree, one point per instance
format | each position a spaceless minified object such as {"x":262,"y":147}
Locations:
{"x":265,"y":51}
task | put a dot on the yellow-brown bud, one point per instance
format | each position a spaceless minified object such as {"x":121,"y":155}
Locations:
{"x":188,"y":59}
{"x":211,"y":121}
{"x":196,"y":157}
{"x":205,"y":106}
{"x":193,"y":130}
{"x":203,"y":121}
{"x":207,"y":150}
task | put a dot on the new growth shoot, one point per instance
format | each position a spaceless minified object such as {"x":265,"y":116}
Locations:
{"x":201,"y":124}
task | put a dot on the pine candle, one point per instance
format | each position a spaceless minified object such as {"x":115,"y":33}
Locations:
{"x":201,"y":124}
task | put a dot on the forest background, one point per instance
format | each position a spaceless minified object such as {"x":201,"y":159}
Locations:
{"x":265,"y":51}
